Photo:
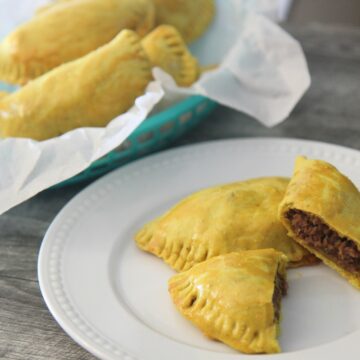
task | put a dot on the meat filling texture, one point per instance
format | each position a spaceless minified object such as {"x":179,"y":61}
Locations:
{"x":280,"y":290}
{"x":317,"y":235}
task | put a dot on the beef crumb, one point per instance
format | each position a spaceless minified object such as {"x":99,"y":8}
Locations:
{"x":280,"y":290}
{"x":317,"y":235}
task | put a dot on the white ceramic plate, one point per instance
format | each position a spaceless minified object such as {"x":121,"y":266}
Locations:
{"x":112,"y":298}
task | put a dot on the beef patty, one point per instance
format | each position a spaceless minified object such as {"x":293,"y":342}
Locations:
{"x":280,"y":290}
{"x":317,"y":235}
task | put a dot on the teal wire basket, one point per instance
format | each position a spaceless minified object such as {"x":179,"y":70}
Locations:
{"x":155,"y":133}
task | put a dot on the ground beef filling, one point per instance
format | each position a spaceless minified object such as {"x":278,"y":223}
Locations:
{"x":280,"y":290}
{"x":317,"y":235}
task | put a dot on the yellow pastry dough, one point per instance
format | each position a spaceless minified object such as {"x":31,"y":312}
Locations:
{"x":3,"y":94}
{"x":51,"y":6}
{"x":89,"y":91}
{"x":190,"y":17}
{"x":219,"y":220}
{"x":235,"y":298}
{"x":321,"y":210}
{"x":67,"y":30}
{"x":165,"y":48}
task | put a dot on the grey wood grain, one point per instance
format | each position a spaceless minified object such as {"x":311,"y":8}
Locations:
{"x":27,"y":330}
{"x":328,"y":112}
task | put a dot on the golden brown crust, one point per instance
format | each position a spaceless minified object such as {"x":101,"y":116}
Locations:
{"x":89,"y":91}
{"x":308,"y":260}
{"x":318,"y":188}
{"x":219,"y":220}
{"x":51,"y":6}
{"x":230,"y":298}
{"x":207,"y":68}
{"x":190,"y":17}
{"x":3,"y":94}
{"x":67,"y":30}
{"x":165,"y":48}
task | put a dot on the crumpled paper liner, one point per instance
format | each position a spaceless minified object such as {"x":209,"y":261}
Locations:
{"x":262,"y":69}
{"x":262,"y":72}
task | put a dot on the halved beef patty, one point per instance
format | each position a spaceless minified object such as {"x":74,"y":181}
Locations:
{"x":280,"y":290}
{"x":317,"y":235}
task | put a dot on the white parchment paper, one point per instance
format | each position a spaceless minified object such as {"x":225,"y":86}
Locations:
{"x":261,"y":71}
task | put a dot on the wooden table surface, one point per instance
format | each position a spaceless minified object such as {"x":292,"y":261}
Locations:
{"x":330,"y":112}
